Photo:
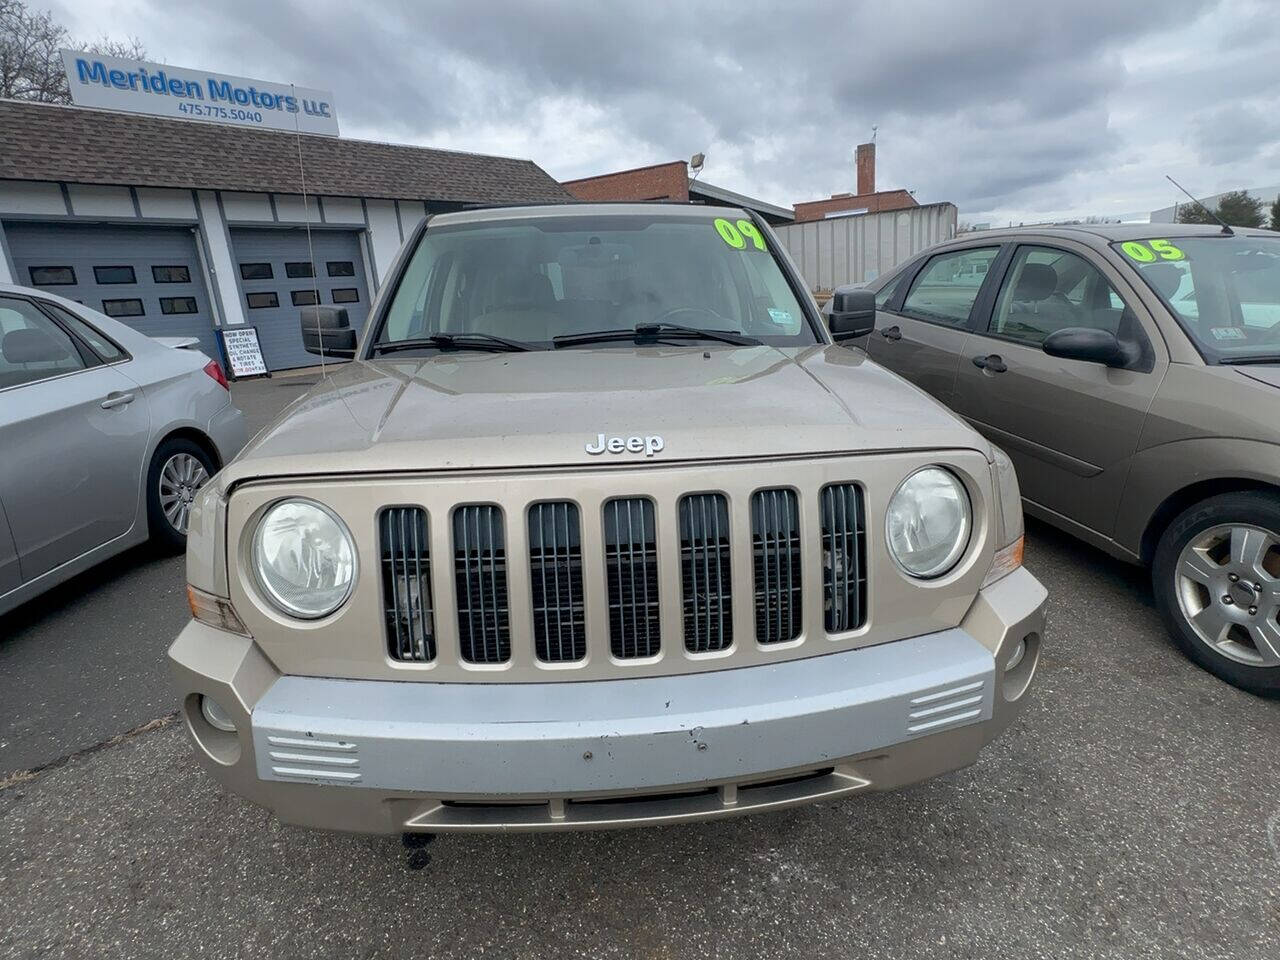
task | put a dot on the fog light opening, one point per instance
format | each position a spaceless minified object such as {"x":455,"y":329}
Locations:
{"x":1021,"y":666}
{"x":218,"y":718}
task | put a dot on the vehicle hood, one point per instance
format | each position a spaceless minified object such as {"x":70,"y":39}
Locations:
{"x":1263,"y":373}
{"x":465,"y":410}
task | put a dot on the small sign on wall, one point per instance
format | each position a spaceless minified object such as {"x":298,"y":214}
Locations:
{"x":244,"y":353}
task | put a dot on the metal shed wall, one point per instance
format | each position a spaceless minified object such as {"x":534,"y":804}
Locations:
{"x":855,"y":249}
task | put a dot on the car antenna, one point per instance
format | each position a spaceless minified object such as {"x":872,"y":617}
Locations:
{"x":1226,"y":231}
{"x":306,"y":217}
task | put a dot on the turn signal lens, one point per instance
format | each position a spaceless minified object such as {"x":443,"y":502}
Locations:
{"x":1006,"y":560}
{"x":215,"y":611}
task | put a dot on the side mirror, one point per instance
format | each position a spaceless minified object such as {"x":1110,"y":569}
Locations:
{"x":327,"y":331}
{"x":1088,"y":344}
{"x":853,"y":313}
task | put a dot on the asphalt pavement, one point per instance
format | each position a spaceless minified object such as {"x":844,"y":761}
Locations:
{"x":1133,"y":811}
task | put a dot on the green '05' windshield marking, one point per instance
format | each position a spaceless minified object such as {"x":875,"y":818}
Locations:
{"x":1223,"y":291}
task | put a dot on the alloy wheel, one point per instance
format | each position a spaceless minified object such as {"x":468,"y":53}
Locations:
{"x":1227,"y":581}
{"x":180,"y":478}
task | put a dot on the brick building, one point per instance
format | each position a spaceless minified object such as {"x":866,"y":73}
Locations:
{"x":866,"y":200}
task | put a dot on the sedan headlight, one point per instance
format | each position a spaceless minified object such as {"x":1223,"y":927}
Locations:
{"x":927,"y":523}
{"x":304,"y":558}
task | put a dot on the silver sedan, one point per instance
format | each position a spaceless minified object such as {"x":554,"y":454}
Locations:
{"x":105,"y":436}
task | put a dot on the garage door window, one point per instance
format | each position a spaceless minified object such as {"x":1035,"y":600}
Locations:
{"x":175,"y":274}
{"x":261,"y":301}
{"x":256,"y":271}
{"x":32,"y":347}
{"x":131,"y":307}
{"x":297,"y":270}
{"x":346,"y":295}
{"x":123,"y":274}
{"x":947,"y":287}
{"x":341,"y":268}
{"x":303,"y":298}
{"x":178,"y":305}
{"x":52,"y":276}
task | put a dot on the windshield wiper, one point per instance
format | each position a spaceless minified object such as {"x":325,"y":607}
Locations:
{"x":1239,"y":361}
{"x":454,"y":341}
{"x":654,"y":331}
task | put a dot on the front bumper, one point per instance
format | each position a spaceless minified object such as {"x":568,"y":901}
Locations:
{"x":387,"y":757}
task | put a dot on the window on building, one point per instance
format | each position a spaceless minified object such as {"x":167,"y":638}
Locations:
{"x":174,"y":274}
{"x":32,"y":347}
{"x":259,"y":301}
{"x":52,"y":276}
{"x":120,"y":274}
{"x":256,"y":271}
{"x":303,"y":298}
{"x":131,"y":307}
{"x":341,"y":268}
{"x":178,"y":305}
{"x":946,"y":288}
{"x":100,"y":345}
{"x":298,"y":270}
{"x":346,"y":295}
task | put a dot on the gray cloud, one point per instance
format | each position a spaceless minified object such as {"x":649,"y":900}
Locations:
{"x":1009,"y":110}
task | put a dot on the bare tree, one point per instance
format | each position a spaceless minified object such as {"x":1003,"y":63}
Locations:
{"x":30,"y":67}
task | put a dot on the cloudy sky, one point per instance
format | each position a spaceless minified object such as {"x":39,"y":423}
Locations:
{"x":1012,"y":110}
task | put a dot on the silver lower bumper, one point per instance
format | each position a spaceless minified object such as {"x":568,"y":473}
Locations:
{"x":520,"y":740}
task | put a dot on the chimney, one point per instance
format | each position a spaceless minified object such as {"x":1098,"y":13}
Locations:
{"x":864,"y":159}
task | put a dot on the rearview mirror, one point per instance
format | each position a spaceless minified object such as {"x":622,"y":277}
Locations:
{"x":853,"y":313}
{"x":326,"y":331}
{"x":1088,"y":344}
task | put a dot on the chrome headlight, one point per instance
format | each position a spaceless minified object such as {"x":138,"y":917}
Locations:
{"x":927,"y":523}
{"x":304,"y":558}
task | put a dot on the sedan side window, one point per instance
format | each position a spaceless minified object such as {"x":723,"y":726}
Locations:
{"x":946,"y":288}
{"x":1048,"y":290}
{"x":32,"y":347}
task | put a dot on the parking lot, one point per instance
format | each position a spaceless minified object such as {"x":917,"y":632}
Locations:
{"x":1133,"y":811}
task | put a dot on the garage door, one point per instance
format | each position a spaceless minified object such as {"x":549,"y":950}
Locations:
{"x":276,"y":276}
{"x":146,"y":277}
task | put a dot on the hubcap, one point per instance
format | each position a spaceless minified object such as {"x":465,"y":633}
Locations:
{"x":180,"y":478}
{"x":1228,"y":586}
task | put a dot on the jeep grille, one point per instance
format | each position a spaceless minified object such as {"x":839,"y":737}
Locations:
{"x":775,"y":546}
{"x":555,"y":574}
{"x":844,"y":560}
{"x":406,"y":584}
{"x":480,"y":572}
{"x":631,"y":571}
{"x":705,"y":573}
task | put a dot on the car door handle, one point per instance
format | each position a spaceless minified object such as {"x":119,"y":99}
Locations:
{"x":891,"y":333}
{"x":116,"y":400}
{"x":990,"y":362}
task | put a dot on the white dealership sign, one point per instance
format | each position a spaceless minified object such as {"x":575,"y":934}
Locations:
{"x":139,"y":86}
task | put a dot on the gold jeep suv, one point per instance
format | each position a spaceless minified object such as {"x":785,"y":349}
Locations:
{"x":601,"y":527}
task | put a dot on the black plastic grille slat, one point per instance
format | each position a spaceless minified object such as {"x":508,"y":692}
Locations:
{"x":406,"y":584}
{"x":704,"y":572}
{"x":775,"y":546}
{"x":844,"y":558}
{"x":480,"y":574}
{"x":631,"y":570}
{"x":555,"y":574}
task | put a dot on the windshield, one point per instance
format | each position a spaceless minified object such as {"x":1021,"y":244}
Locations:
{"x":531,"y":280}
{"x":1224,"y":291}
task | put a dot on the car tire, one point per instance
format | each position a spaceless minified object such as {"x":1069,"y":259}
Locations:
{"x":178,"y":469}
{"x":1216,"y":580}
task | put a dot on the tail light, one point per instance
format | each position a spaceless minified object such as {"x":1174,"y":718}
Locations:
{"x":215,"y":371}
